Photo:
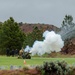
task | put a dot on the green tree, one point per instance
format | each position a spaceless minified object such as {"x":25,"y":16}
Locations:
{"x":0,"y":25}
{"x":37,"y":33}
{"x":11,"y":35}
{"x":68,"y":21}
{"x":30,"y":38}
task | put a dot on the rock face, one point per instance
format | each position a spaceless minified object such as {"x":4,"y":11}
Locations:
{"x":69,"y":47}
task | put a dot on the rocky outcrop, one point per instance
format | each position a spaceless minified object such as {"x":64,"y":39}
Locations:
{"x":69,"y":47}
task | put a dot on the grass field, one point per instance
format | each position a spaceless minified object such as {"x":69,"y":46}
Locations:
{"x":8,"y":61}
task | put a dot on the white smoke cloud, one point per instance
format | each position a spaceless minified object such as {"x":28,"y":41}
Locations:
{"x":52,"y":42}
{"x":27,"y":49}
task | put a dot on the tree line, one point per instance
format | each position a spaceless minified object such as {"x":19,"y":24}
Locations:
{"x":12,"y":37}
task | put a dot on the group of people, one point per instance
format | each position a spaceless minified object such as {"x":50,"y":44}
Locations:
{"x":12,"y":52}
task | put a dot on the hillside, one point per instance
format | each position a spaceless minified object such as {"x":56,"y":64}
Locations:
{"x":29,"y":27}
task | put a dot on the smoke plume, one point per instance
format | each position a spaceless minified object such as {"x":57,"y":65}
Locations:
{"x":27,"y":49}
{"x":52,"y":42}
{"x":68,"y":32}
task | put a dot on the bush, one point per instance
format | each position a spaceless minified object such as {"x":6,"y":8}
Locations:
{"x":55,"y":68}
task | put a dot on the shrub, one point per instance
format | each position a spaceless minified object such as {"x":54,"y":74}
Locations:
{"x":55,"y":68}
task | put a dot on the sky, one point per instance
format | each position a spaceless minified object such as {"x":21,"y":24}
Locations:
{"x":37,"y":11}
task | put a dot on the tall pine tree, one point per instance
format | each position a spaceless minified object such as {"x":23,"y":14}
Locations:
{"x":11,"y":35}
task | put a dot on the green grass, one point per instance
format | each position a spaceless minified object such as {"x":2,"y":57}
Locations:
{"x":8,"y":61}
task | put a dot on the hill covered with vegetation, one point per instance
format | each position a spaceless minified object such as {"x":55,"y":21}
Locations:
{"x":28,"y":28}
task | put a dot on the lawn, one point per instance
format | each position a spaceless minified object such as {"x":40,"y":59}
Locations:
{"x":8,"y":61}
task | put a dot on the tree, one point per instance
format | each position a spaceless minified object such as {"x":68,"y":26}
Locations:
{"x":0,"y":25}
{"x":30,"y":38}
{"x":67,"y":22}
{"x":37,"y":33}
{"x":11,"y":35}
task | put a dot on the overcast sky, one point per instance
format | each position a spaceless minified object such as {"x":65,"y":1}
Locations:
{"x":37,"y":11}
